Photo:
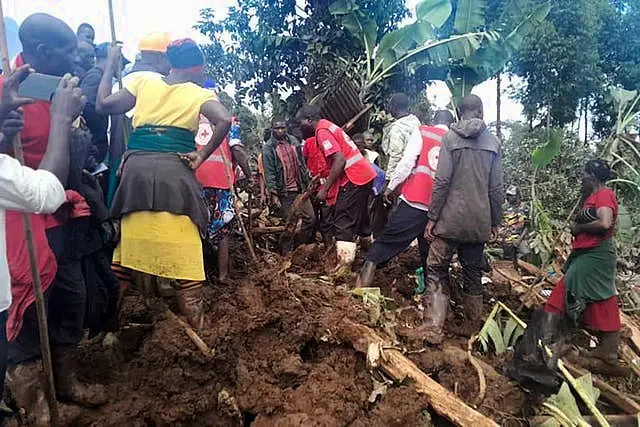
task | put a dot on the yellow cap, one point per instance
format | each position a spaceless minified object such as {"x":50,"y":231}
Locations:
{"x":155,"y":42}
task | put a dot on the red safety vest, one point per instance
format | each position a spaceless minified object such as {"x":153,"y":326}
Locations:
{"x":318,"y":167}
{"x":419,"y":185}
{"x":357,"y":168}
{"x":212,"y":171}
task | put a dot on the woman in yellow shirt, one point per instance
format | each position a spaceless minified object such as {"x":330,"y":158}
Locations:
{"x":158,"y":198}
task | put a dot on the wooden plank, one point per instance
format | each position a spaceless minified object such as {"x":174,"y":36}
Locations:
{"x":399,"y":367}
{"x":635,"y":330}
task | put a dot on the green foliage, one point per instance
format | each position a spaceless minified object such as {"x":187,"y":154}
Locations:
{"x":265,"y":48}
{"x":563,"y":406}
{"x":544,"y":154}
{"x":502,"y":329}
{"x":557,"y":186}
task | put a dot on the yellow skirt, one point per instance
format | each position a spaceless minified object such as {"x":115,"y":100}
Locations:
{"x":161,"y":244}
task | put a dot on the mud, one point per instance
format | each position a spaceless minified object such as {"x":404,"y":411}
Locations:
{"x":277,"y":360}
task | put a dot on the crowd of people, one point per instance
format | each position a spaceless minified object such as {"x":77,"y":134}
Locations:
{"x":138,"y":179}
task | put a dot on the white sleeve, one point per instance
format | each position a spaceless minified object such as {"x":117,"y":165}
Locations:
{"x":28,"y":190}
{"x":408,"y":161}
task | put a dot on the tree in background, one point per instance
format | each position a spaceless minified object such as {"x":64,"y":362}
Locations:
{"x":269,"y":48}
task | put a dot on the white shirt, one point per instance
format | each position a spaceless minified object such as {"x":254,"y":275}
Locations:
{"x":27,"y":190}
{"x":406,"y":165}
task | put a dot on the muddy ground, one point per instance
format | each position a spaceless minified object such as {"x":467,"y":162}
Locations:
{"x":277,"y":359}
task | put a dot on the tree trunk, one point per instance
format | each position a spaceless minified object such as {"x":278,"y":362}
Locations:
{"x":586,"y":120}
{"x":498,"y":105}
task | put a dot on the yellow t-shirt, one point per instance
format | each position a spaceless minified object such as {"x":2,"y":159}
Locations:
{"x":160,"y":104}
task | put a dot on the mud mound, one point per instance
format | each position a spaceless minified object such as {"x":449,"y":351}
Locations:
{"x":276,"y":362}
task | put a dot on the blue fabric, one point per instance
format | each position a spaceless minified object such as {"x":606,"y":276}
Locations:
{"x":378,"y":182}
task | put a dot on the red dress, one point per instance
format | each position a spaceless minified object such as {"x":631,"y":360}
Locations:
{"x":603,"y":315}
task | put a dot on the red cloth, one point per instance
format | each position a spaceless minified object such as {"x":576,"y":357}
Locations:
{"x":603,"y":198}
{"x":317,"y":165}
{"x":35,"y":136}
{"x":78,"y":208}
{"x":419,"y":185}
{"x":601,"y":316}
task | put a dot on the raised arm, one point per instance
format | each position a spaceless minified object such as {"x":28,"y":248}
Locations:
{"x":119,"y":102}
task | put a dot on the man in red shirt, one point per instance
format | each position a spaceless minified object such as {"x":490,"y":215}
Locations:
{"x":49,"y":46}
{"x":350,"y":171}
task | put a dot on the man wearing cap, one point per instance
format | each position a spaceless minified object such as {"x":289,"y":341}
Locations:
{"x":152,"y":63}
{"x":96,"y":122}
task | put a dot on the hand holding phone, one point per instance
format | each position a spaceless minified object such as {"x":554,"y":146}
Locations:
{"x":11,"y":100}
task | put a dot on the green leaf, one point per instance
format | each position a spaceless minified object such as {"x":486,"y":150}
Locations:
{"x":566,"y":403}
{"x":509,"y":329}
{"x":517,"y":334}
{"x":543,"y":155}
{"x":586,"y":384}
{"x":435,"y":12}
{"x":493,"y":330}
{"x":622,"y":96}
{"x":343,"y":7}
{"x":528,"y":25}
{"x":469,"y":16}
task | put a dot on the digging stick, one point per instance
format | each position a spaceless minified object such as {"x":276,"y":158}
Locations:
{"x":114,"y":42}
{"x":33,"y":260}
{"x":228,"y":170}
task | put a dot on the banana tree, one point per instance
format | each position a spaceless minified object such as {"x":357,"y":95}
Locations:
{"x":494,"y":52}
{"x":412,"y":46}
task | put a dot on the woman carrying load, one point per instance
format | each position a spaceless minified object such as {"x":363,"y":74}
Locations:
{"x":158,"y":198}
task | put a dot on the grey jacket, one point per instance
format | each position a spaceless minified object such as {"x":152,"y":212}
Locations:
{"x":467,"y":195}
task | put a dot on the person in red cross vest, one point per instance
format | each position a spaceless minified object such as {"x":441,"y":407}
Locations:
{"x":413,"y":178}
{"x":217,"y":177}
{"x":350,"y":171}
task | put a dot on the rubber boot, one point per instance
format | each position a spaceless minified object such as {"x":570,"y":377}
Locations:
{"x":346,"y":253}
{"x":27,"y":385}
{"x":68,"y":387}
{"x":607,"y":349}
{"x":365,"y":242}
{"x":328,"y":241}
{"x":473,"y":305}
{"x":191,"y":305}
{"x":435,"y":304}
{"x":365,"y":278}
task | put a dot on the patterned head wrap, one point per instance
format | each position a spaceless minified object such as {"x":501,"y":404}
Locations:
{"x":599,"y":169}
{"x":185,"y":54}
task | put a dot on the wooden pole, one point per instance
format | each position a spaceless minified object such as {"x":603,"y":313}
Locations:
{"x":114,"y":41}
{"x":50,"y":390}
{"x":228,"y":170}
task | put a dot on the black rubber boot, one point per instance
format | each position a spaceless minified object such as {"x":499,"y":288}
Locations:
{"x":365,"y":278}
{"x":607,"y":349}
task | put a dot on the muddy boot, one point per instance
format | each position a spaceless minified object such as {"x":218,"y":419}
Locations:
{"x":68,"y":387}
{"x":435,"y":305}
{"x":365,"y":278}
{"x":607,"y":349}
{"x":473,"y":305}
{"x":191,"y":305}
{"x":27,"y":385}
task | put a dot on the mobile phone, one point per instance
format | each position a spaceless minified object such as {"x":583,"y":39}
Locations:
{"x":39,"y":86}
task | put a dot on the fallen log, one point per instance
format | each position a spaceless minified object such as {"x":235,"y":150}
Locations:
{"x":400,"y":368}
{"x":613,"y":420}
{"x":635,"y":331}
{"x":607,"y":392}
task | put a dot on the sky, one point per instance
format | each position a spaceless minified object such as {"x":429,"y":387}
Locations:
{"x":134,"y":18}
